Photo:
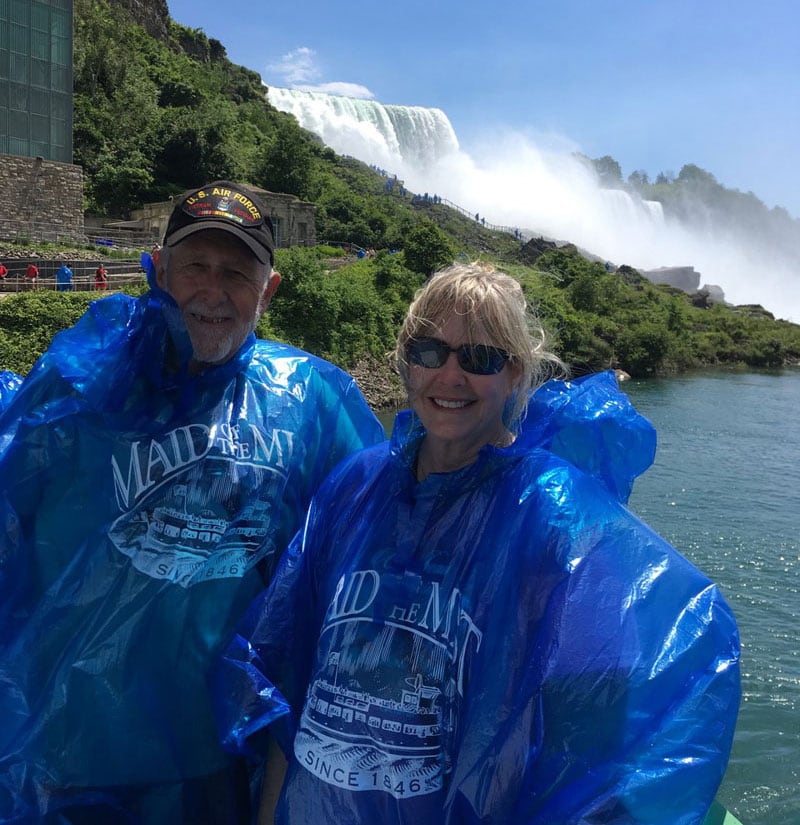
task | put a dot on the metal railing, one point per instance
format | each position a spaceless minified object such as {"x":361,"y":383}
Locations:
{"x":119,"y":273}
{"x":421,"y":200}
{"x":79,"y":284}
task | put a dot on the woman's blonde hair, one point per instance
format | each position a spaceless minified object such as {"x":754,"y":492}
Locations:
{"x":494,"y":310}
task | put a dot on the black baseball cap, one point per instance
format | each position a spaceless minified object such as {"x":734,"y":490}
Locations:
{"x":228,"y":206}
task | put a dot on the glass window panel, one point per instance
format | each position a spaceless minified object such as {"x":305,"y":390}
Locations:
{"x":61,"y":23}
{"x":40,"y":45}
{"x":18,"y":97}
{"x":40,"y":150}
{"x":17,"y":146}
{"x":20,"y":11}
{"x":61,"y":51}
{"x":60,"y":106}
{"x":18,"y":124}
{"x":40,"y":73}
{"x":18,"y":68}
{"x":61,"y":78}
{"x":40,"y":128}
{"x":40,"y":17}
{"x":18,"y":38}
{"x":40,"y":102}
{"x":58,"y":133}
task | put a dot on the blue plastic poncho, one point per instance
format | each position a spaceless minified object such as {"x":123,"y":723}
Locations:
{"x":506,"y":643}
{"x":10,"y":382}
{"x":142,"y":511}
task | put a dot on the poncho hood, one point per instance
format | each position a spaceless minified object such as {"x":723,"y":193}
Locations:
{"x":587,"y":421}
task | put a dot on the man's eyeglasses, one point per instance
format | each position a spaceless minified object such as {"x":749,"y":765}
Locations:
{"x":478,"y":359}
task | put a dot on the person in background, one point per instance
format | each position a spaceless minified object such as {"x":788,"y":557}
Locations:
{"x":101,"y":278}
{"x":153,"y":465}
{"x":32,"y":274}
{"x":3,"y":274}
{"x":471,"y":627}
{"x":64,"y":279}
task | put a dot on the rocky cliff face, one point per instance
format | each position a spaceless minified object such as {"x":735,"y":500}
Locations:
{"x":682,"y":277}
{"x":151,"y":15}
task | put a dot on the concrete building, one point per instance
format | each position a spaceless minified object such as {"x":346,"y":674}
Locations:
{"x":42,"y":189}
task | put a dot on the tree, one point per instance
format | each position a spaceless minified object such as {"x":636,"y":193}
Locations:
{"x":427,"y":248}
{"x":641,"y":347}
{"x":695,"y":175}
{"x":583,"y":291}
{"x":609,"y":171}
{"x":286,"y":162}
{"x":639,"y":179}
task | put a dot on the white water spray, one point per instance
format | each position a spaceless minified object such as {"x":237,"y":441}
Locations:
{"x":512,"y":180}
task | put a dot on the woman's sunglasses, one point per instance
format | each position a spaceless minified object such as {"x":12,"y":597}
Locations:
{"x":478,"y":359}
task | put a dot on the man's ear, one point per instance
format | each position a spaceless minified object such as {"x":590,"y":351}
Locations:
{"x":269,"y":290}
{"x":158,"y":263}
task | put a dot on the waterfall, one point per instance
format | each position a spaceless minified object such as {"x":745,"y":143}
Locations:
{"x":384,"y":135}
{"x":626,"y":208}
{"x":512,"y":179}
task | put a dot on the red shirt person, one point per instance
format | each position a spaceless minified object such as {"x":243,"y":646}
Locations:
{"x":33,"y":274}
{"x":100,"y":277}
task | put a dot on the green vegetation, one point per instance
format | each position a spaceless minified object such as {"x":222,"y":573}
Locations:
{"x":427,"y":248}
{"x":341,"y":314}
{"x":154,"y":118}
{"x":597,"y":319}
{"x":29,"y":320}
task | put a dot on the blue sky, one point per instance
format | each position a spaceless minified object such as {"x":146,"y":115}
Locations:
{"x":655,"y":84}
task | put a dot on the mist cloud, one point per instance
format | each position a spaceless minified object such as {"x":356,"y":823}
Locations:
{"x":298,"y":69}
{"x":512,"y":181}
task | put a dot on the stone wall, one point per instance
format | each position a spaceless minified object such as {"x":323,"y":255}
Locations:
{"x":42,"y":200}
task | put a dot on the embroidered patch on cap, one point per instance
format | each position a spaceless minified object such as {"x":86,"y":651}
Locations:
{"x":228,"y":204}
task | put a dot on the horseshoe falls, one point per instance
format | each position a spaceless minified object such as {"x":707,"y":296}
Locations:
{"x":544,"y":187}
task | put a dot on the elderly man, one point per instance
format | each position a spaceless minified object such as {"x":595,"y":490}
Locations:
{"x":152,"y":467}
